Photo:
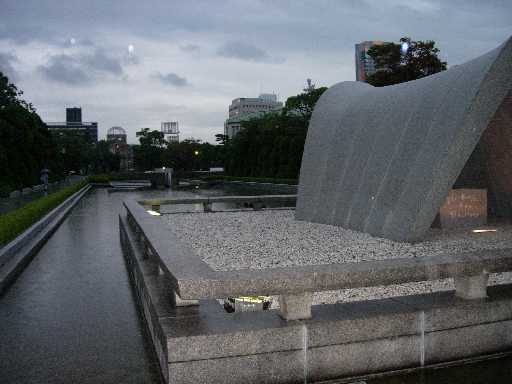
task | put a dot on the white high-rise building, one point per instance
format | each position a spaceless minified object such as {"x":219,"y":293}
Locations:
{"x":243,"y":105}
{"x":171,"y":130}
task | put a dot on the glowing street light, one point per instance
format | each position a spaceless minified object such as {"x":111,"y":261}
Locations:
{"x":405,"y":48}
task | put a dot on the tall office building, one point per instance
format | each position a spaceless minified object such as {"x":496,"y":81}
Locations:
{"x":364,"y":62}
{"x":74,"y":124}
{"x":73,"y":115}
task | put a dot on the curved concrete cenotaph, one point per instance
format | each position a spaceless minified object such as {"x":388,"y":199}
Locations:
{"x":383,"y":160}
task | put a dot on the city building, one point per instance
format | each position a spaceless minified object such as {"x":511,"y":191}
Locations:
{"x":74,"y":124}
{"x":116,"y":138}
{"x":364,"y":62}
{"x":171,"y":130}
{"x":234,"y":125}
{"x":74,"y":115}
{"x":242,"y":105}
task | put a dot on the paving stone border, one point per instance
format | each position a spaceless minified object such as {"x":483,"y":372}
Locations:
{"x":192,"y":278}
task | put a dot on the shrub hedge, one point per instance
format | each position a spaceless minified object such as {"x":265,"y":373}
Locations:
{"x":99,"y":178}
{"x":14,"y":222}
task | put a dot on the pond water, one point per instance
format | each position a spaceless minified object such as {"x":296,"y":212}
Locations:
{"x":73,"y":316}
{"x":496,"y":369}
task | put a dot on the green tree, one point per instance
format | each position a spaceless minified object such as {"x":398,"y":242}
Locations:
{"x":211,"y":156}
{"x":9,"y":96}
{"x":409,"y":60}
{"x":150,"y":153}
{"x":26,"y":144}
{"x":302,"y":105}
{"x":223,"y":139}
{"x":154,"y":138}
{"x":102,"y":160}
{"x":185,"y":155}
{"x":272,"y":144}
{"x":74,"y":151}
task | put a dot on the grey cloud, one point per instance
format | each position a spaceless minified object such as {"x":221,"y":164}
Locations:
{"x":171,"y":79}
{"x":75,"y":42}
{"x":193,"y":50}
{"x":101,"y":62}
{"x":130,"y":59}
{"x":6,"y":61}
{"x":242,"y":51}
{"x":80,"y":69}
{"x":25,"y":21}
{"x":64,"y":69}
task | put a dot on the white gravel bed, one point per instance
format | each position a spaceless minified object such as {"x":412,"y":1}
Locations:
{"x":269,"y":239}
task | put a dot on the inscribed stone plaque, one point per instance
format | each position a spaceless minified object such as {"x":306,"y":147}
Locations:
{"x":464,"y":208}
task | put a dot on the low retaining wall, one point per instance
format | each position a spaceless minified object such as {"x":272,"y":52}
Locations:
{"x":205,"y":343}
{"x":157,"y":179}
{"x":288,"y":187}
{"x":20,"y":250}
{"x":257,"y":202}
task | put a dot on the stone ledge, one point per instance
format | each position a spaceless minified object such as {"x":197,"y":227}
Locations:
{"x":194,"y":279}
{"x":205,"y":343}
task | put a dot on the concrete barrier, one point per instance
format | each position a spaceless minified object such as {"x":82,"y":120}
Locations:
{"x":300,"y":342}
{"x":194,"y":279}
{"x":256,"y":201}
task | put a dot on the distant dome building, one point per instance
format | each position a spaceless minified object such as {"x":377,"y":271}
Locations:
{"x":116,"y":138}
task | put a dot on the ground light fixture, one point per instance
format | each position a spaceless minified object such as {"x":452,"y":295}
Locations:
{"x":483,"y":230}
{"x":247,"y":303}
{"x":154,"y":213}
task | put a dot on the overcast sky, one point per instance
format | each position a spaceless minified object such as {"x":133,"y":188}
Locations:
{"x":135,"y":64}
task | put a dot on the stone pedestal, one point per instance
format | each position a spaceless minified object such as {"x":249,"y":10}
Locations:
{"x":471,"y":287}
{"x":296,"y":306}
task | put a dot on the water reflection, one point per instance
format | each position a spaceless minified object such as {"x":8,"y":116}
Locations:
{"x":72,"y":315}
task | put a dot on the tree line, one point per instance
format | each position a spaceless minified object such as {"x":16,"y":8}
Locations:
{"x":27,"y":146}
{"x":269,"y":146}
